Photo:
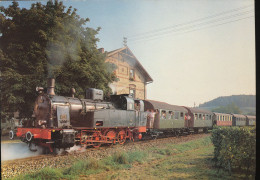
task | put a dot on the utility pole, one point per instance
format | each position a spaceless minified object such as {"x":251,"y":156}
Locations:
{"x":194,"y":104}
{"x":125,"y":41}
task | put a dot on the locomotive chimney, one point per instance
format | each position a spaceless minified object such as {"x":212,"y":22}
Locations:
{"x":50,"y":86}
{"x":72,"y":92}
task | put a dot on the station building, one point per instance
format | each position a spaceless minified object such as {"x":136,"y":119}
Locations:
{"x":132,"y":77}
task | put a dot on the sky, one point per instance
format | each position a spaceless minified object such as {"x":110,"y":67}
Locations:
{"x":195,"y":51}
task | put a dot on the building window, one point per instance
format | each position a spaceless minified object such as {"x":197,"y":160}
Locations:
{"x":131,"y":74}
{"x":132,"y":93}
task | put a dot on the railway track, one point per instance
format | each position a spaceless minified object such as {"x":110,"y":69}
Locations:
{"x":15,"y":167}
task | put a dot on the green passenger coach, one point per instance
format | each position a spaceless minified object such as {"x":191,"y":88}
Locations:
{"x":164,"y":116}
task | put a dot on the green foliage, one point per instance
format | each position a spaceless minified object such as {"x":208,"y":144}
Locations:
{"x":230,"y":108}
{"x":47,"y":41}
{"x":46,"y":173}
{"x":82,"y":167}
{"x":235,"y":148}
{"x":136,"y":156}
{"x":166,"y":151}
{"x":120,"y":158}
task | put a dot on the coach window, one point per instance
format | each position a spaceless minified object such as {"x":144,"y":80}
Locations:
{"x":200,"y":116}
{"x":203,"y":117}
{"x":176,"y":115}
{"x":170,"y":115}
{"x":196,"y":116}
{"x":181,"y":115}
{"x":163,"y":114}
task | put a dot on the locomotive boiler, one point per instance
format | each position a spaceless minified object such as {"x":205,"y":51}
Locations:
{"x":62,"y":122}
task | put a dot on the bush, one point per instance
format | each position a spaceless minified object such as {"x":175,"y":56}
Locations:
{"x":235,"y":148}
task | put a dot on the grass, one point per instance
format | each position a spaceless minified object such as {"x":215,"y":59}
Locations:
{"x":46,"y":173}
{"x":189,"y":160}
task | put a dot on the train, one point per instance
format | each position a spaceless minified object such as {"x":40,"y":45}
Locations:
{"x":61,"y":122}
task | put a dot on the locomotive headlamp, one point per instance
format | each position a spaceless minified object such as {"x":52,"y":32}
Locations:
{"x":28,"y":136}
{"x":11,"y":134}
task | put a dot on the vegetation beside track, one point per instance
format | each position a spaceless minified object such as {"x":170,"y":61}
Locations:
{"x":188,"y":160}
{"x":235,"y":149}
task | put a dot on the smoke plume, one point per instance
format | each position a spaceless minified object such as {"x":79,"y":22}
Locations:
{"x":11,"y":151}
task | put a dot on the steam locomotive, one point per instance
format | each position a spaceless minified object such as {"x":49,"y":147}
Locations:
{"x":62,"y":122}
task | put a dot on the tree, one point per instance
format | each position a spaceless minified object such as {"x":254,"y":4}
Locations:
{"x":47,"y":41}
{"x":230,"y":108}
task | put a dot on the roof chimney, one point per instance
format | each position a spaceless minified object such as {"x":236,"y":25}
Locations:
{"x":101,"y":50}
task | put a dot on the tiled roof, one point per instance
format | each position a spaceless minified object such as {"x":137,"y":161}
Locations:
{"x":138,"y":64}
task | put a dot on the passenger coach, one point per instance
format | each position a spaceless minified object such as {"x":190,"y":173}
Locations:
{"x":199,"y":119}
{"x":238,"y":120}
{"x":165,"y":117}
{"x":222,"y":119}
{"x":250,"y":120}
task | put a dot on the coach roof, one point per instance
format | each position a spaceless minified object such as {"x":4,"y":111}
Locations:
{"x":197,"y":110}
{"x":239,"y":115}
{"x":151,"y":104}
{"x":223,"y":114}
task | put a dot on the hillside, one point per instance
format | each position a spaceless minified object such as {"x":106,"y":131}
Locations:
{"x":247,"y":103}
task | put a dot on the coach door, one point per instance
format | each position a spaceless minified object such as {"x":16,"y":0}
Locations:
{"x":188,"y":120}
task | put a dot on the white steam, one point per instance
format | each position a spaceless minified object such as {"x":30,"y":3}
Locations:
{"x":61,"y":48}
{"x":11,"y":151}
{"x":77,"y":149}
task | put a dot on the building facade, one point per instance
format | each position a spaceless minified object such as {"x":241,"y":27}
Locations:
{"x":132,"y":77}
